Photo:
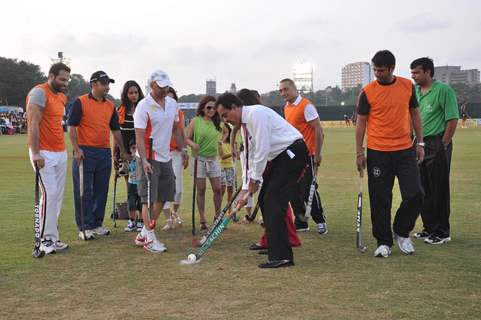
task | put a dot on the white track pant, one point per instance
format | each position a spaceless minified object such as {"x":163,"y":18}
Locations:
{"x":52,"y":186}
{"x":178,"y":172}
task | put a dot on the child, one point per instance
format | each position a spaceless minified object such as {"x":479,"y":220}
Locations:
{"x":133,"y":197}
{"x":227,"y":165}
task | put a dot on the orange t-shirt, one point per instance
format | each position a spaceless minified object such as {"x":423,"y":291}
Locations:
{"x":94,"y":127}
{"x":295,"y":116}
{"x":388,"y":119}
{"x":173,"y":142}
{"x":51,"y":135}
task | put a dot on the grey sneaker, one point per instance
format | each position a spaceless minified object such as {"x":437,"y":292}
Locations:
{"x":382,"y":251}
{"x":432,"y":239}
{"x":322,"y":228}
{"x":404,"y":244}
{"x":131,"y":226}
{"x":421,"y":235}
{"x":47,"y":246}
{"x":101,"y":231}
{"x":59,"y":245}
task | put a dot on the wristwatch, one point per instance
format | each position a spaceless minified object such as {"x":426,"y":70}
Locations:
{"x":421,"y":144}
{"x":257,"y":182}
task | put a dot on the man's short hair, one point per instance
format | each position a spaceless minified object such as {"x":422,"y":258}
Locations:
{"x":248,"y":97}
{"x":57,"y":67}
{"x":227,"y":100}
{"x":384,"y":58}
{"x":425,"y":63}
{"x":289,"y":82}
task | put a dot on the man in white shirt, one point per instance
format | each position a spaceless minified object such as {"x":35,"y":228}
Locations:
{"x":156,"y":117}
{"x":268,"y":138}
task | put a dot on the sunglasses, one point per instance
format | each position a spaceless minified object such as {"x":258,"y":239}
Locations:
{"x":209,"y":108}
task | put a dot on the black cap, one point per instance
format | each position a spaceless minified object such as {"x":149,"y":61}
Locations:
{"x":100,"y":76}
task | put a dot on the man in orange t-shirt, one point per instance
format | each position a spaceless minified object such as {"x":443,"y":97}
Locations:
{"x":386,"y":108}
{"x":302,"y":114}
{"x":91,"y":119}
{"x":45,"y":110}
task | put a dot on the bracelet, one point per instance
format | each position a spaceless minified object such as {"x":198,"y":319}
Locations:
{"x":421,"y":144}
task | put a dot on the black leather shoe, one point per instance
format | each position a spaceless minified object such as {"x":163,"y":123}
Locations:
{"x":256,"y":246}
{"x":262,"y":252}
{"x":276,"y":264}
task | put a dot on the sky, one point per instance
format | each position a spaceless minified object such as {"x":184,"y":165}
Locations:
{"x":251,"y":43}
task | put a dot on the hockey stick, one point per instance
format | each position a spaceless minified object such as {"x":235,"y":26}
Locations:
{"x":218,"y":219}
{"x":114,"y":209}
{"x":195,"y":258}
{"x":37,"y":253}
{"x":310,"y":198}
{"x":81,"y":186}
{"x":194,"y":188}
{"x":253,"y":215}
{"x":149,"y":186}
{"x":359,"y":244}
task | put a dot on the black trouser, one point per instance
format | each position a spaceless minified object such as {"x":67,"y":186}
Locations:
{"x":303,"y":188}
{"x":382,"y":167}
{"x":435,"y":179}
{"x":278,"y":188}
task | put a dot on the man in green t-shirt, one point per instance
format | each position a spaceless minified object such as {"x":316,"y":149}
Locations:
{"x":439,"y":114}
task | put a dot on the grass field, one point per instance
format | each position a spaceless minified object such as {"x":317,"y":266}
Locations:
{"x":110,"y":278}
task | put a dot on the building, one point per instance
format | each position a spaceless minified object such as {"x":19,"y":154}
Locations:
{"x":355,"y":74}
{"x":454,"y":74}
{"x":211,"y":87}
{"x":233,"y":88}
{"x":303,"y":76}
{"x":61,"y":58}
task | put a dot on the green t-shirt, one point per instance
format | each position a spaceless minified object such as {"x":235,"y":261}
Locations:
{"x":206,"y":136}
{"x":437,"y":106}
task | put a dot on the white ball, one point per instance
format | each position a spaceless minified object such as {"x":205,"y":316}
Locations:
{"x":191,"y":257}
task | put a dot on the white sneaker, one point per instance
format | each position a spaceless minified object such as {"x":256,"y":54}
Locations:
{"x":322,"y":228}
{"x":140,"y":239}
{"x":382,"y":251}
{"x":405,"y":244}
{"x":47,"y":246}
{"x":154,"y":246}
{"x":168,"y":226}
{"x":89,"y":235}
{"x":59,"y":245}
{"x":101,"y":231}
{"x":140,"y":225}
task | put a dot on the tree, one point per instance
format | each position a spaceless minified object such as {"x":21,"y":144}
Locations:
{"x":77,"y":87}
{"x":16,"y":80}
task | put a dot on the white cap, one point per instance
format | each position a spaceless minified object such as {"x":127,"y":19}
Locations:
{"x":161,"y":78}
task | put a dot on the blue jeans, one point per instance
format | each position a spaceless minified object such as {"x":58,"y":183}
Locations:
{"x":97,"y":165}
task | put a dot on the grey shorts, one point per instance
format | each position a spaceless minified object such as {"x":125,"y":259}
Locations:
{"x":227,"y":177}
{"x":206,"y":167}
{"x":162,"y":182}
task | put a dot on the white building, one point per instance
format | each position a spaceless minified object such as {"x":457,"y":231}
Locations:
{"x":356,"y":73}
{"x":454,"y":74}
{"x":303,"y":76}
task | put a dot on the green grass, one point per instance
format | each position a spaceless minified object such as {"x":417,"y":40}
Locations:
{"x":110,"y":278}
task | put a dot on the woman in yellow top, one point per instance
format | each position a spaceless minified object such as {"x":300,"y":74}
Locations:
{"x":203,"y":134}
{"x":227,"y":164}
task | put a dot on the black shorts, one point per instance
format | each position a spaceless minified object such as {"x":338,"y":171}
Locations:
{"x":133,"y":197}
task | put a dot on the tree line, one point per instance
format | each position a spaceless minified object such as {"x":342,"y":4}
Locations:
{"x":17,"y":77}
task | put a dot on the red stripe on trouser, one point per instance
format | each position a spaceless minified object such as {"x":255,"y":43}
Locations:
{"x":291,"y":231}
